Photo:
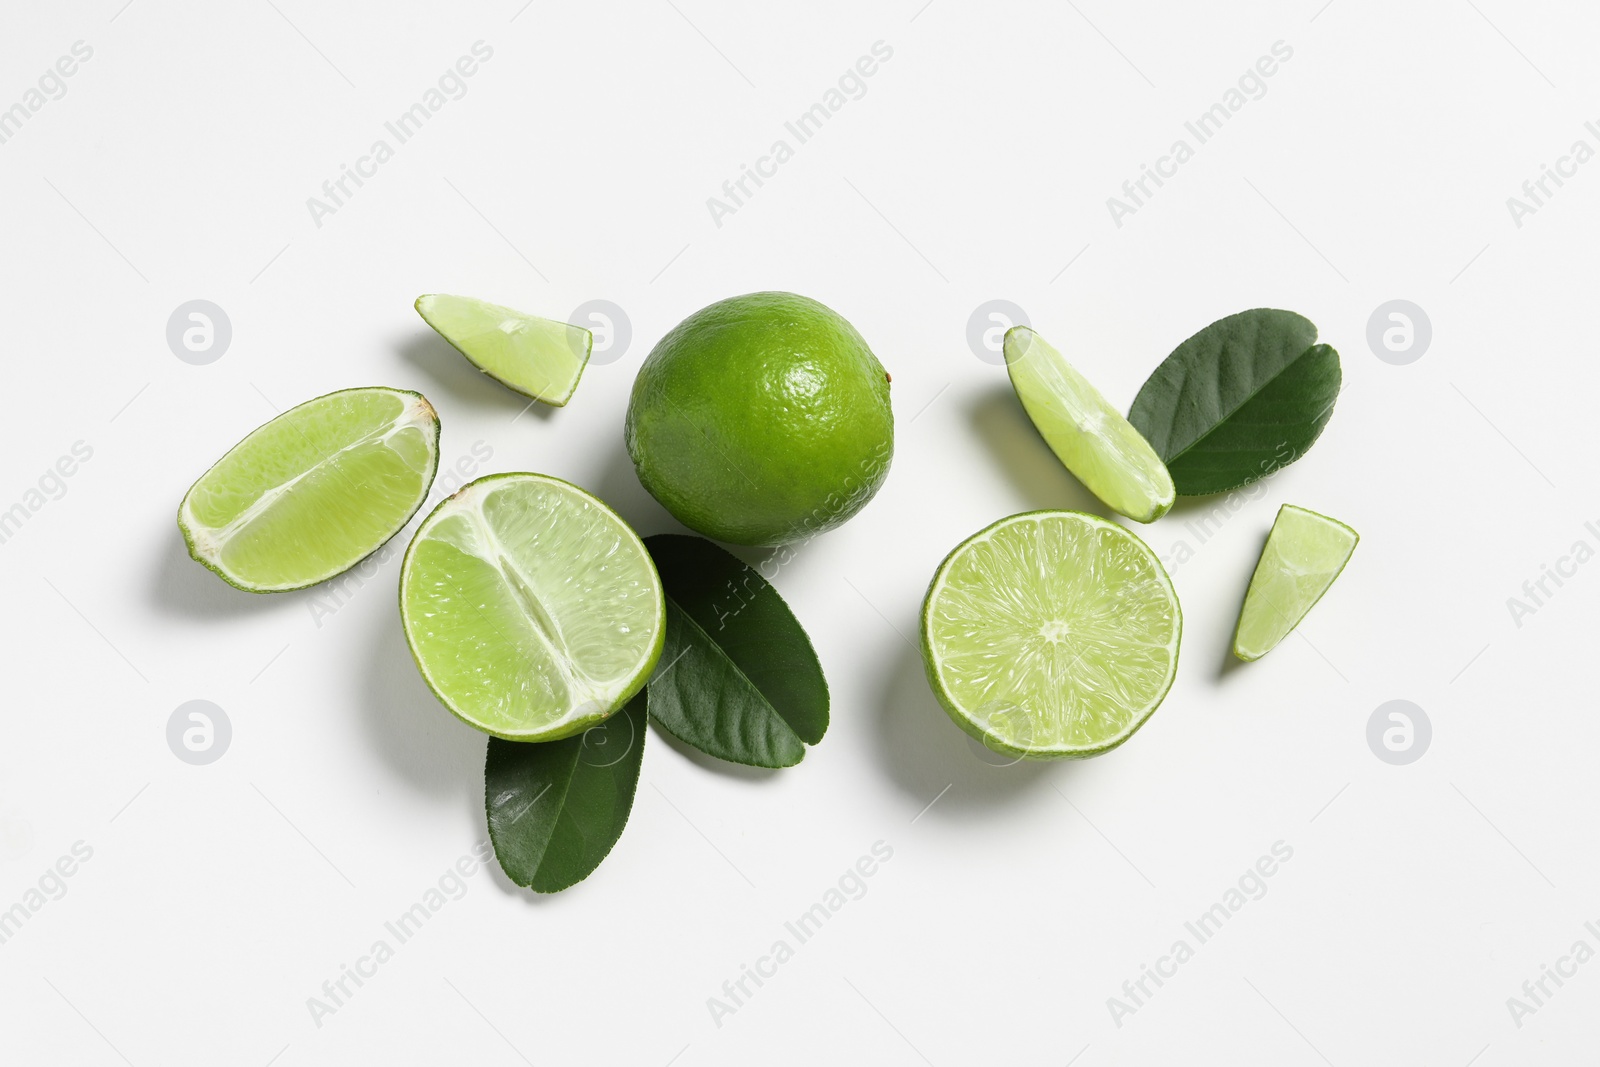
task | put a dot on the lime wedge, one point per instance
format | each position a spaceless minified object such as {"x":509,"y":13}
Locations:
{"x":1051,"y":635}
{"x":1304,"y":554}
{"x":315,"y":491}
{"x":533,"y":611}
{"x":1088,"y":435}
{"x":536,"y":357}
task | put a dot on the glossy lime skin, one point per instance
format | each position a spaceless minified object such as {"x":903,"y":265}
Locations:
{"x":761,"y":420}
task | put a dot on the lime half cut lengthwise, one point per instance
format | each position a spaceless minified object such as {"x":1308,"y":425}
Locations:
{"x":1051,"y":635}
{"x":1090,"y":437}
{"x":539,"y":358}
{"x":315,"y":491}
{"x":1303,"y":555}
{"x":533,"y":611}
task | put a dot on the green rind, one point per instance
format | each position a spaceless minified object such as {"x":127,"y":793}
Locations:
{"x":188,"y":535}
{"x":994,"y":744}
{"x":715,"y":419}
{"x":577,"y":726}
{"x":1251,"y":587}
{"x":1159,"y":504}
{"x":555,"y":402}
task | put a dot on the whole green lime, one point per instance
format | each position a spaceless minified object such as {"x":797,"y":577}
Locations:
{"x":761,"y":420}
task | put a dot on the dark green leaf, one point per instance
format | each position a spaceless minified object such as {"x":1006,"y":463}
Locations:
{"x":738,"y":677}
{"x":1242,"y":398}
{"x":556,"y":807}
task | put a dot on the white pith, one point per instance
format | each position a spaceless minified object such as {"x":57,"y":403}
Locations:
{"x":209,"y":542}
{"x":590,"y":697}
{"x":1099,"y":446}
{"x":1280,"y":541}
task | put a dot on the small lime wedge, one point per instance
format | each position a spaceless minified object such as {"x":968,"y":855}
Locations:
{"x":1304,"y":554}
{"x":1051,"y":635}
{"x":540,"y":358}
{"x":533,"y":611}
{"x":1088,"y":435}
{"x":315,"y":491}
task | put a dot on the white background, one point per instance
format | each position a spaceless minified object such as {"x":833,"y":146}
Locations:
{"x":1377,"y":165}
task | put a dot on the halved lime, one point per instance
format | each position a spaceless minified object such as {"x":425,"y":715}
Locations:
{"x":533,"y":611}
{"x":1304,"y":553}
{"x":315,"y":491}
{"x":1051,"y":635}
{"x":536,"y":357}
{"x":1088,"y":435}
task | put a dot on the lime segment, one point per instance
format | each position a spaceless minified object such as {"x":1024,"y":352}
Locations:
{"x":533,"y":611}
{"x":1088,"y":435}
{"x":314,"y":491}
{"x":1304,"y":553}
{"x":1051,"y":634}
{"x":540,"y":358}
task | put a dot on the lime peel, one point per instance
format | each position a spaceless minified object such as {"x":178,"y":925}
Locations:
{"x":763,"y":419}
{"x":539,"y":358}
{"x":313,"y":492}
{"x":1102,"y":449}
{"x":1304,"y":554}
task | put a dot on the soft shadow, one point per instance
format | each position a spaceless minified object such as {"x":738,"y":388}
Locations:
{"x":432,"y":355}
{"x":497,"y":875}
{"x":1186,"y":507}
{"x":429,"y":747}
{"x":180,"y":586}
{"x":618,"y":486}
{"x":712,"y":763}
{"x":1038,"y":475}
{"x":1226,"y":504}
{"x":1230,"y":662}
{"x":756,"y":557}
{"x":924,"y":752}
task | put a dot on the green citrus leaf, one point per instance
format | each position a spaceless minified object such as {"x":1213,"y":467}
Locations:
{"x":556,"y":807}
{"x":1244,"y":397}
{"x":738,"y":679}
